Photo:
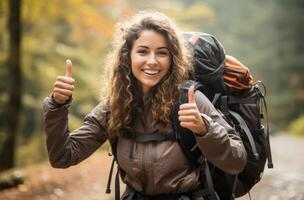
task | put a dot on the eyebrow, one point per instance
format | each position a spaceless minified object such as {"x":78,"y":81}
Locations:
{"x":146,"y":47}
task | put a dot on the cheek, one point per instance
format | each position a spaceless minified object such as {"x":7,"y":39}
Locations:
{"x":166,"y":63}
{"x":136,"y":61}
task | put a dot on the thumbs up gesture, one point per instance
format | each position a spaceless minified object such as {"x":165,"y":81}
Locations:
{"x":64,"y":85}
{"x":189,"y":115}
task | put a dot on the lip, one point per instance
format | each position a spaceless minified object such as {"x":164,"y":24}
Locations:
{"x":151,"y":72}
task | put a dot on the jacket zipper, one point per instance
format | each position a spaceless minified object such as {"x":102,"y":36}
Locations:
{"x":144,"y":165}
{"x":154,"y":152}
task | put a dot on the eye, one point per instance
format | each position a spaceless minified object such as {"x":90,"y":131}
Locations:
{"x":142,"y":51}
{"x":163,"y":53}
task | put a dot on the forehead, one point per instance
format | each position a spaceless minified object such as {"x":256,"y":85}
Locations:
{"x":151,"y":39}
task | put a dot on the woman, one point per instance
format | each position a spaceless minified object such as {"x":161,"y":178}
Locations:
{"x":150,"y":61}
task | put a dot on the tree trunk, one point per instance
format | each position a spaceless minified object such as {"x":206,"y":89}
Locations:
{"x":13,"y":108}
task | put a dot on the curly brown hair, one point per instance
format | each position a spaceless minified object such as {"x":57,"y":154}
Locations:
{"x":125,"y":95}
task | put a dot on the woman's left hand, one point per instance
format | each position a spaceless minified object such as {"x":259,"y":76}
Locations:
{"x":189,"y":115}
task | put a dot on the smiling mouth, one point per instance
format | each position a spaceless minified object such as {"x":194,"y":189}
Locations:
{"x":150,"y":72}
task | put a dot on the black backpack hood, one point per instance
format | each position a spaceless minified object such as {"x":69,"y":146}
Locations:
{"x":209,"y":59}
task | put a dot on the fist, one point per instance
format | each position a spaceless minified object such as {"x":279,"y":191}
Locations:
{"x":64,"y":85}
{"x":189,"y":115}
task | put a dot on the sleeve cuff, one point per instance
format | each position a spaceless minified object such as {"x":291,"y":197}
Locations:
{"x":208,"y":122}
{"x":52,"y":104}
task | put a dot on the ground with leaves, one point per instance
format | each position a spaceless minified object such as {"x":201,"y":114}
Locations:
{"x":87,"y":181}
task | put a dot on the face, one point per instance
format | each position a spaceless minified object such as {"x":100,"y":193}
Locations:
{"x":150,"y":59}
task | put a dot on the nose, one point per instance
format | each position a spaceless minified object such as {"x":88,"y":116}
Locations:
{"x":152,"y":59}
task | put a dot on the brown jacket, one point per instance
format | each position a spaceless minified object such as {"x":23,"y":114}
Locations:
{"x":150,"y":168}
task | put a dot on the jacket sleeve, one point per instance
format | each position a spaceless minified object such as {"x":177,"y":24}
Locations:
{"x":221,"y":145}
{"x":67,"y":148}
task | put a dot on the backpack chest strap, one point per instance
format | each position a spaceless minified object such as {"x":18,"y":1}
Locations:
{"x":149,"y":137}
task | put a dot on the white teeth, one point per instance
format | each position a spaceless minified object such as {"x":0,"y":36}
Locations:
{"x":151,"y":72}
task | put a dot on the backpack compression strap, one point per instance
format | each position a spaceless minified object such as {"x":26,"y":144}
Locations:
{"x":262,"y":96}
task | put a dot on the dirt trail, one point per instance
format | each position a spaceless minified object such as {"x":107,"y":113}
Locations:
{"x":87,"y":181}
{"x":286,"y":179}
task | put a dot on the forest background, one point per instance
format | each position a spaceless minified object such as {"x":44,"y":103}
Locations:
{"x":265,"y":35}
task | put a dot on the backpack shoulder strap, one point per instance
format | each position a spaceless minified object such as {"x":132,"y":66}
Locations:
{"x":245,"y":128}
{"x":108,"y":190}
{"x":113,"y":144}
{"x":184,"y":136}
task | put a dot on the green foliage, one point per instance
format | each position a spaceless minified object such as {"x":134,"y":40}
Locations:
{"x":297,"y":126}
{"x":266,"y":37}
{"x":51,"y":33}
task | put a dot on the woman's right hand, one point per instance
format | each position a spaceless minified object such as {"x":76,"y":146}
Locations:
{"x":64,"y":85}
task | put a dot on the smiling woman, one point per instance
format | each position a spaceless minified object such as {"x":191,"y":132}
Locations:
{"x":149,"y":63}
{"x":150,"y":59}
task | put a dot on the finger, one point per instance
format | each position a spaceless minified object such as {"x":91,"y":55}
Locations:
{"x":63,"y":92}
{"x":187,"y":106}
{"x":66,"y":79}
{"x":187,"y":119}
{"x":187,"y":112}
{"x":188,"y":125}
{"x":63,"y":85}
{"x":191,"y":95}
{"x":68,"y":68}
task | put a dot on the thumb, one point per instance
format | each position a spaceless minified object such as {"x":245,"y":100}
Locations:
{"x":68,"y":68}
{"x":191,"y":95}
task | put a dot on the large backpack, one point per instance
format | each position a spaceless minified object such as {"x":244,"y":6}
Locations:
{"x":229,"y":86}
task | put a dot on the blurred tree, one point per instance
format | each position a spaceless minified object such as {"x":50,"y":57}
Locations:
{"x":52,"y":32}
{"x":3,"y":65}
{"x":13,"y":108}
{"x":288,"y":53}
